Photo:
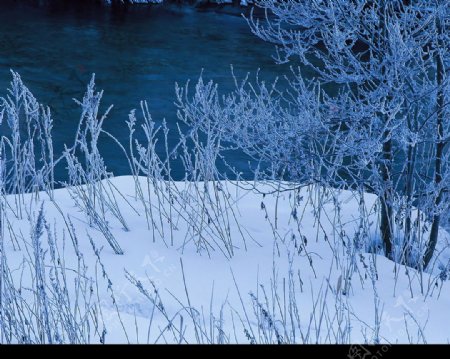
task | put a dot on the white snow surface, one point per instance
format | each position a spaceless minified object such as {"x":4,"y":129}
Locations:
{"x":305,"y":258}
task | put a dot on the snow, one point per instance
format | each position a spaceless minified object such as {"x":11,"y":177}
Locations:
{"x":337,"y":298}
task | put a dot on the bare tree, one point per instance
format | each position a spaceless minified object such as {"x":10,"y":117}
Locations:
{"x":366,"y":107}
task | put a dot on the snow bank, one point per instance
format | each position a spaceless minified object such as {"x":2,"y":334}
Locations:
{"x":293,"y":271}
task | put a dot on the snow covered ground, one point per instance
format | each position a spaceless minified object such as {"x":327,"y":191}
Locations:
{"x":222,"y":262}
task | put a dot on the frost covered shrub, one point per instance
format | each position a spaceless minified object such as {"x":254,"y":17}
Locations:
{"x":28,"y":161}
{"x":365,"y":108}
{"x":51,"y":301}
{"x":88,"y":176}
{"x":201,"y":201}
{"x":26,"y":141}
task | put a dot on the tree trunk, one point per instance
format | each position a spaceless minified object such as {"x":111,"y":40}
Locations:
{"x":409,"y":188}
{"x":386,"y":224}
{"x":439,"y":146}
{"x":386,"y":197}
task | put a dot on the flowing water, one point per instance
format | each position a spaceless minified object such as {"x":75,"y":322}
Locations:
{"x":136,"y":55}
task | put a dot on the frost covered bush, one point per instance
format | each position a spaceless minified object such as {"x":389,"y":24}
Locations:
{"x":26,"y":141}
{"x":365,"y":108}
{"x":49,"y":303}
{"x":89,"y":179}
{"x":202,"y":204}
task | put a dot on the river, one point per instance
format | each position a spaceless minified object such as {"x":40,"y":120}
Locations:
{"x":136,"y":55}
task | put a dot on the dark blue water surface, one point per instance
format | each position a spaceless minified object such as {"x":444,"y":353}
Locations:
{"x":136,"y":55}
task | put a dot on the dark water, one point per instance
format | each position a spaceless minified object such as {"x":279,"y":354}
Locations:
{"x":136,"y":55}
